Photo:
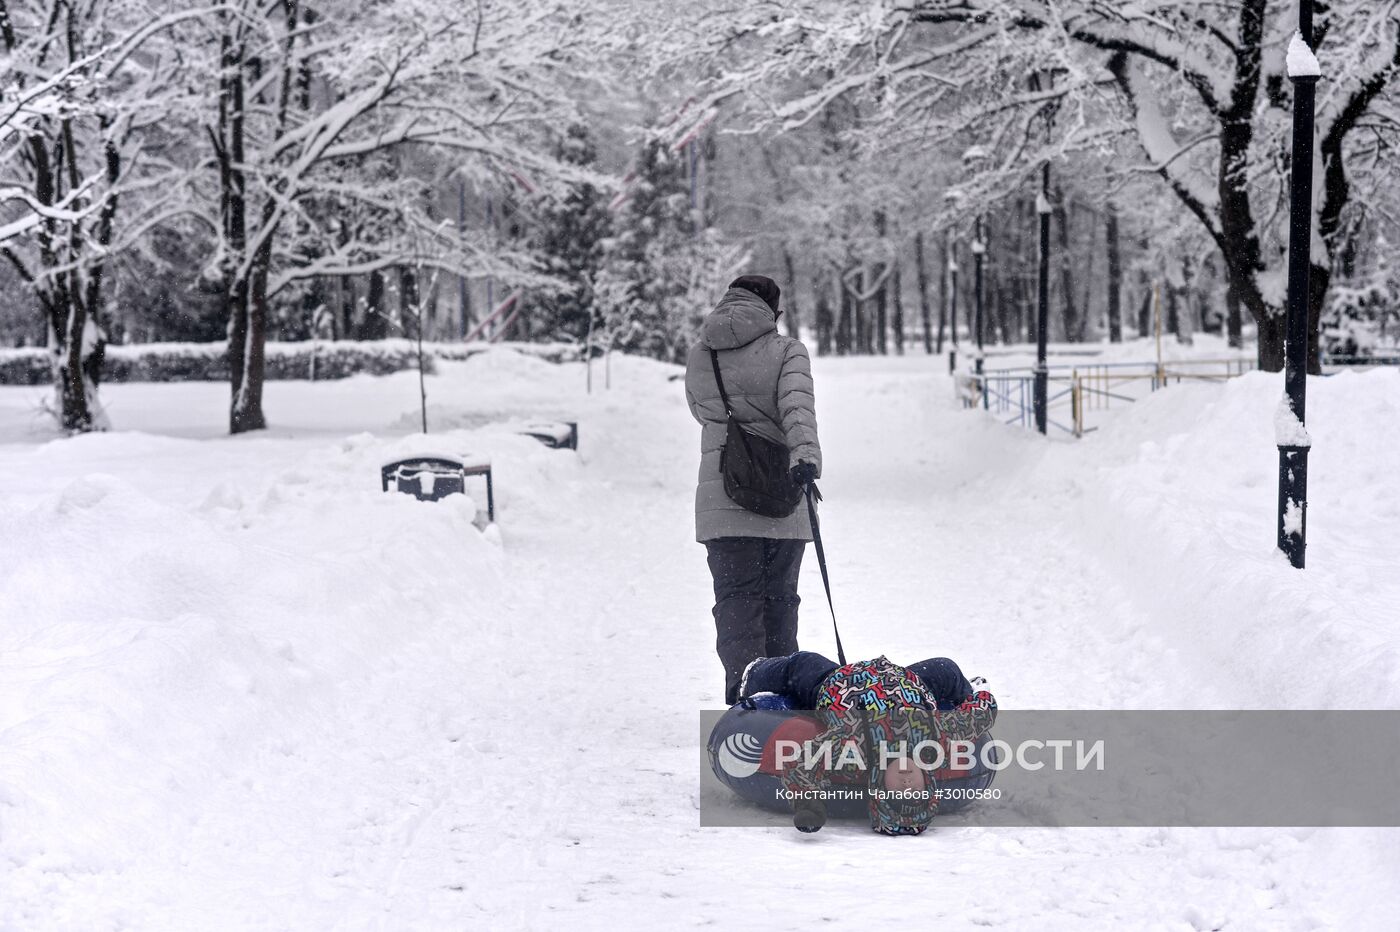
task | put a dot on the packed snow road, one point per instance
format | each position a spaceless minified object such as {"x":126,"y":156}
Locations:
{"x":241,"y":688}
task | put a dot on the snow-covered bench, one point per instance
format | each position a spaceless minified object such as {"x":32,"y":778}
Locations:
{"x":556,"y":435}
{"x":431,"y":476}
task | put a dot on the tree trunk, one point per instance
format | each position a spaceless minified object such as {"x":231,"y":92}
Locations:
{"x":791,"y":312}
{"x":1144,"y":316}
{"x":865,"y":312}
{"x":881,"y":297}
{"x":1190,"y":301}
{"x":76,"y":341}
{"x":246,"y":412}
{"x":232,"y":160}
{"x":1028,"y":219}
{"x":953,"y":291}
{"x":1026,"y":306}
{"x":921,"y":272}
{"x":845,"y":323}
{"x":92,"y":352}
{"x":897,"y":287}
{"x":862,"y":326}
{"x":1003,"y":315}
{"x":410,"y":310}
{"x":1071,"y":314}
{"x":313,"y":302}
{"x":1208,"y":320}
{"x":375,"y":325}
{"x":942,"y":292}
{"x":1086,"y":316}
{"x":1272,"y":333}
{"x":1115,"y":275}
{"x":432,"y":326}
{"x":247,"y":355}
{"x":76,"y":415}
{"x":881,"y":317}
{"x":821,"y":289}
{"x":1032,"y":292}
{"x":67,"y":282}
{"x":344,"y":314}
{"x":1234,"y":326}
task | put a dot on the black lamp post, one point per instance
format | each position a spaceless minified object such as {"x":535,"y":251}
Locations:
{"x":979,"y":254}
{"x":1040,"y":401}
{"x":1293,"y":441}
{"x":953,"y":301}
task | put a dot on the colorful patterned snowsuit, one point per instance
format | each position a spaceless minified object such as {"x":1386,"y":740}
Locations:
{"x":871,"y":702}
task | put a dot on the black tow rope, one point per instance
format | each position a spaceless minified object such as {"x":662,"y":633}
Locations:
{"x":821,"y":561}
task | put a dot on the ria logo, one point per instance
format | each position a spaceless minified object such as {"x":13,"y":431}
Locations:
{"x":740,"y":754}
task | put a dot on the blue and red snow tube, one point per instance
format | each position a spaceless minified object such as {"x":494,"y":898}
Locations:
{"x":743,"y":756}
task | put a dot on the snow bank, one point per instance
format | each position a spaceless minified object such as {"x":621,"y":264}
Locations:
{"x":237,"y":681}
{"x":1180,"y":499}
{"x":175,"y":636}
{"x":242,"y":688}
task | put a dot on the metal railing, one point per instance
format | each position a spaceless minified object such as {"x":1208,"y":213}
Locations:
{"x":1009,"y":393}
{"x":1368,"y":360}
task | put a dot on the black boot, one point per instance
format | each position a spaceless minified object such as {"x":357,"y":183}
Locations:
{"x":808,"y":815}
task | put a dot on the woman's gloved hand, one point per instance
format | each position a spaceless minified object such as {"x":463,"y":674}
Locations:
{"x":804,"y":473}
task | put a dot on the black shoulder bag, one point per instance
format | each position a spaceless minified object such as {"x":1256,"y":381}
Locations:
{"x":755,"y":469}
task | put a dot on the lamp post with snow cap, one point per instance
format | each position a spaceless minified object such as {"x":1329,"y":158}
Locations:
{"x":1292,"y":436}
{"x":979,"y":253}
{"x":1041,"y":399}
{"x":953,"y":300}
{"x":973,"y":159}
{"x":952,"y":200}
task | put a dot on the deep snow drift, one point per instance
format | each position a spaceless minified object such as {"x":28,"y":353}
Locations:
{"x":240,"y":687}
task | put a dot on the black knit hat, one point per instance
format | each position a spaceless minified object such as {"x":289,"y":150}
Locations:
{"x":761,"y":285}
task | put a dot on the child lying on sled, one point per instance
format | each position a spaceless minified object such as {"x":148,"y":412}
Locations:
{"x":888,"y":712}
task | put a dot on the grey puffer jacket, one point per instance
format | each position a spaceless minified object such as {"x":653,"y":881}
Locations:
{"x":769,"y":380}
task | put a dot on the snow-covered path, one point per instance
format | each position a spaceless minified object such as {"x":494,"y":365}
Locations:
{"x":270,"y":697}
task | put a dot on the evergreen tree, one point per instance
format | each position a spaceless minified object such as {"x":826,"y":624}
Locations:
{"x":662,"y":272}
{"x":569,"y":242}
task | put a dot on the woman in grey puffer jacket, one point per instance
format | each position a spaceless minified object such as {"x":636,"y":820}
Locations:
{"x":753,"y":559}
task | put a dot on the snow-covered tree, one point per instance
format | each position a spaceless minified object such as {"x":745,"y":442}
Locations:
{"x":316,"y":105}
{"x":1363,"y":316}
{"x":662,"y":270}
{"x":569,"y":234}
{"x":81,"y":81}
{"x":1199,"y":85}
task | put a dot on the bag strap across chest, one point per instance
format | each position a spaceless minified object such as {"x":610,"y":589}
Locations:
{"x":719,"y":380}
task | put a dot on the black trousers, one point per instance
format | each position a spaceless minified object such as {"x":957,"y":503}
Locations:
{"x":755,"y":601}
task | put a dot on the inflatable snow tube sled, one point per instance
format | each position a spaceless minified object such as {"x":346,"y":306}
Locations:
{"x":743,"y":756}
